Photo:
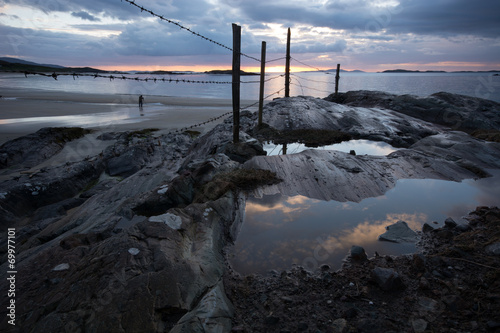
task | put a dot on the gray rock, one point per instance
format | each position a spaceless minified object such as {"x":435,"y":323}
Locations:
{"x":387,"y":279}
{"x":30,"y":150}
{"x":339,"y":325}
{"x":398,"y":233}
{"x":212,"y":314}
{"x":358,"y":253}
{"x":463,"y":227}
{"x":456,"y":111}
{"x":450,"y":223}
{"x":493,"y":249}
{"x":243,"y":151}
{"x":427,"y":227}
{"x":419,"y":325}
{"x":129,"y":162}
{"x":428,"y":304}
{"x":61,"y":267}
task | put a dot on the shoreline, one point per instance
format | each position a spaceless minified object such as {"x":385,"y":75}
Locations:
{"x":25,"y":111}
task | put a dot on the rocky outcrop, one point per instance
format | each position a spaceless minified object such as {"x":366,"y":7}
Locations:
{"x":108,"y":266}
{"x":131,"y":237}
{"x":333,"y":175}
{"x":31,"y":150}
{"x":458,"y":112}
{"x":373,"y":123}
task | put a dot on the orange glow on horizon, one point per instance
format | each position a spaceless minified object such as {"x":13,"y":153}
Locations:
{"x":446,"y":66}
{"x":199,"y":68}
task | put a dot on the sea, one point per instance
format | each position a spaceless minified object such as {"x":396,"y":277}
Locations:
{"x":316,"y":84}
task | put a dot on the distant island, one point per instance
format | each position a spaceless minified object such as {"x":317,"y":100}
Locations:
{"x":18,"y":65}
{"x":228,"y":72}
{"x":343,"y":71}
{"x":433,"y":71}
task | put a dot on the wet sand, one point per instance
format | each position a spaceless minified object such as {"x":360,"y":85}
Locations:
{"x":26,"y":111}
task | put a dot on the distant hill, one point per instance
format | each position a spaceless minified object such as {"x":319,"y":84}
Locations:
{"x":18,"y":65}
{"x":409,"y":71}
{"x":344,"y":71}
{"x":417,"y":71}
{"x":25,"y":62}
{"x":228,"y":72}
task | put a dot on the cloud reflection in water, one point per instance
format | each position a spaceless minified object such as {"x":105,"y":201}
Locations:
{"x":280,"y":231}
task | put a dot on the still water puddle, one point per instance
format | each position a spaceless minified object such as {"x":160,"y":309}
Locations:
{"x":361,"y":147}
{"x":280,"y":231}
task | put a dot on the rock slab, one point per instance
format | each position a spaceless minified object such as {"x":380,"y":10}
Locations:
{"x":399,"y":232}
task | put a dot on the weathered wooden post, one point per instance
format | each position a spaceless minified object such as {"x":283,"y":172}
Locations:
{"x":262,"y":79}
{"x":287,"y":66}
{"x":236,"y":81}
{"x":337,"y":77}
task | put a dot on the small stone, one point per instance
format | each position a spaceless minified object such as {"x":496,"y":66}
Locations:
{"x":419,"y":325}
{"x":352,"y":152}
{"x":463,"y":227}
{"x":358,"y":253}
{"x":419,"y":262}
{"x":450,"y":223}
{"x":61,"y":267}
{"x":163,"y":189}
{"x":428,"y":304}
{"x":133,"y":251}
{"x":424,"y":284}
{"x":339,"y":325}
{"x":325,"y":267}
{"x":493,"y":249}
{"x":427,"y":227}
{"x":387,"y":279}
{"x":173,"y":221}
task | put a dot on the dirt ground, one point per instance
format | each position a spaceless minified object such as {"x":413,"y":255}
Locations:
{"x":453,"y":285}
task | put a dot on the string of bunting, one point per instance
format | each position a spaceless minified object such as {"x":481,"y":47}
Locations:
{"x":161,"y":17}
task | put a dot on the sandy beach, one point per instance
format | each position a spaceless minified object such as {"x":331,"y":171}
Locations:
{"x":26,"y":111}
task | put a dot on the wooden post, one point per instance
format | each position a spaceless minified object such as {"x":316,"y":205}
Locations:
{"x":337,"y":77}
{"x":262,"y":79}
{"x":287,"y":67}
{"x":236,"y":81}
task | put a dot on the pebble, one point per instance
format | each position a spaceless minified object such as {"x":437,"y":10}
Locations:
{"x":133,"y":251}
{"x":419,"y":325}
{"x":61,"y":267}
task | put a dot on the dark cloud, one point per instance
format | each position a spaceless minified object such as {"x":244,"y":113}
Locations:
{"x":39,"y":44}
{"x":413,"y":31}
{"x":85,"y":16}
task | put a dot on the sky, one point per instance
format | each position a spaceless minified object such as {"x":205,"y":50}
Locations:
{"x":367,"y":35}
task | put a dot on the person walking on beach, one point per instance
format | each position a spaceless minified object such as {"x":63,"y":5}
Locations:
{"x":141,"y":99}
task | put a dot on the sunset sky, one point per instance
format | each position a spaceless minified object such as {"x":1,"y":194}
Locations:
{"x":359,"y":34}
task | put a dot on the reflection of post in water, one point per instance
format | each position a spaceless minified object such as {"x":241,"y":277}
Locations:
{"x":141,"y":111}
{"x":284,"y":149}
